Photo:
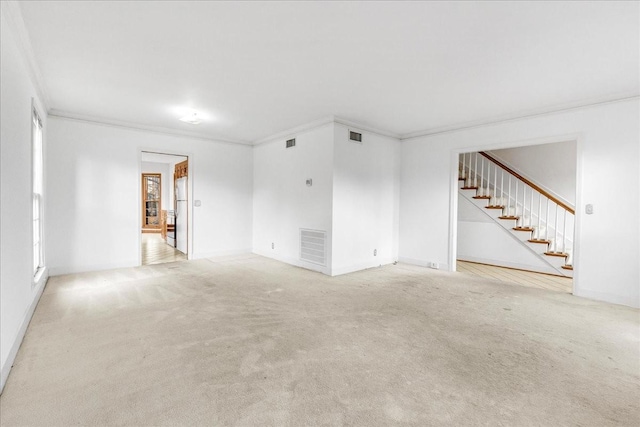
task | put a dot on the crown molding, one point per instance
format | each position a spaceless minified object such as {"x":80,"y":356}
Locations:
{"x":140,"y":127}
{"x":13,"y":15}
{"x":292,"y":132}
{"x":360,"y":126}
{"x":620,"y":97}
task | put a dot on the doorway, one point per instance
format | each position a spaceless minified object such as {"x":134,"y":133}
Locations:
{"x":514,"y":217}
{"x":164,"y":209}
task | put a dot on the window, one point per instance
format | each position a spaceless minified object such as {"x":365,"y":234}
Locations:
{"x":37,"y":184}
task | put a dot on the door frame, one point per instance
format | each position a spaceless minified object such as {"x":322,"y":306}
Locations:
{"x":142,"y":206}
{"x":190,"y":175}
{"x":453,"y":199}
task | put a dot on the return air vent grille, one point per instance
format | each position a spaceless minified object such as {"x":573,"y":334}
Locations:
{"x":291,"y":143}
{"x":355,"y":137}
{"x":312,"y":246}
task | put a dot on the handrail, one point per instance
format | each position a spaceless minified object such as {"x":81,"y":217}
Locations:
{"x":529,"y":183}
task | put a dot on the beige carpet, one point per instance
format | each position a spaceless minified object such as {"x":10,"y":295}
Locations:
{"x":249,"y":341}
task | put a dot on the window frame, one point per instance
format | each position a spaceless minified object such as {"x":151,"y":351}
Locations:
{"x":37,"y":194}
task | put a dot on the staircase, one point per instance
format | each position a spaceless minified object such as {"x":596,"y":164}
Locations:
{"x":540,"y":221}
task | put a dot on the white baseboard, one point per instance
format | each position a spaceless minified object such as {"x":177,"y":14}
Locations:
{"x":423,"y":263}
{"x":361,"y":266}
{"x":222,"y":253}
{"x":607,"y":297}
{"x":58,"y":271}
{"x":293,"y":261}
{"x":508,"y":264}
{"x":17,"y":342}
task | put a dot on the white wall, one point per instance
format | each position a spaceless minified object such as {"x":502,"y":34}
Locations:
{"x":94,"y":194}
{"x":607,"y":244}
{"x":283,"y":203}
{"x":551,"y":166}
{"x":18,"y":294}
{"x":366,"y":184}
{"x":166,"y":181}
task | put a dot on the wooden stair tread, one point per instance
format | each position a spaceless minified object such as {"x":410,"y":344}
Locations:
{"x":482,"y":197}
{"x":494,"y":207}
{"x":568,"y":267}
{"x":538,"y":241}
{"x":468,"y":188}
{"x":523,"y":228}
{"x":509,"y":217}
{"x":560,"y":254}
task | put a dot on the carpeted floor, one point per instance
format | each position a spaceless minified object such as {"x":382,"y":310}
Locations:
{"x":249,"y":341}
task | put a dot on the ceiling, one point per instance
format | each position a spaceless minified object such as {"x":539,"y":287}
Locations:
{"x":254,"y":69}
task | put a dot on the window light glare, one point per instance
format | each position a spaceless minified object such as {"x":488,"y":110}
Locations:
{"x":191,"y":118}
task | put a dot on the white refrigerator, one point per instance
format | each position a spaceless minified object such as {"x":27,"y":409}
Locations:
{"x":181,"y":214}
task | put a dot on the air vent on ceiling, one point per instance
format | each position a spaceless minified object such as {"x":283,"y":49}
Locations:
{"x":291,"y":143}
{"x":355,"y":136}
{"x":312,"y":246}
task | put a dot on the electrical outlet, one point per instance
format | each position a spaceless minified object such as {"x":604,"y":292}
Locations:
{"x":272,"y":245}
{"x":433,"y":265}
{"x":375,"y":252}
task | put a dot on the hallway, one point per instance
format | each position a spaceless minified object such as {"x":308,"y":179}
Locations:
{"x":156,"y":251}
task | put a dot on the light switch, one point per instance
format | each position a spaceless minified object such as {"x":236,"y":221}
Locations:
{"x":197,"y":203}
{"x":588,"y":209}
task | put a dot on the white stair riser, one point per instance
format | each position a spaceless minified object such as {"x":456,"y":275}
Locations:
{"x":556,"y":261}
{"x":522,"y":235}
{"x":538,"y":248}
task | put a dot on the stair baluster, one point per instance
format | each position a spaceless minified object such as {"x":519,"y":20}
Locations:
{"x":531,"y":210}
{"x":564,"y":233}
{"x":475,"y":172}
{"x":495,"y":186}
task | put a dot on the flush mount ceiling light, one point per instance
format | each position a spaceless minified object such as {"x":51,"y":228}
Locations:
{"x":191,"y":118}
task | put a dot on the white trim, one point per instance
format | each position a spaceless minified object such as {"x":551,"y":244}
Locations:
{"x":13,"y":352}
{"x":507,"y":264}
{"x":293,"y":261}
{"x":57,"y":271}
{"x":225,"y":253}
{"x":11,"y":10}
{"x":365,"y":128}
{"x":190,"y":191}
{"x":577,"y":223}
{"x":605,"y":298}
{"x":140,"y":127}
{"x":453,"y":205}
{"x":620,"y":97}
{"x":421,"y":263}
{"x":292,"y":132}
{"x":362,"y":266}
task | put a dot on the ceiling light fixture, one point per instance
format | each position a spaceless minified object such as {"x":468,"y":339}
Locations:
{"x":191,"y":118}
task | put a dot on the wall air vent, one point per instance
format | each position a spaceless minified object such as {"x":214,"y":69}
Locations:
{"x":291,"y":143}
{"x":312,"y":246}
{"x":355,"y":137}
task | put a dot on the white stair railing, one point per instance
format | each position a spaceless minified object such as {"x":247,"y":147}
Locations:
{"x":550,"y":220}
